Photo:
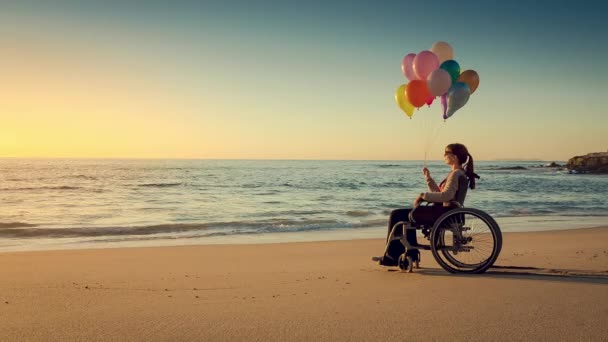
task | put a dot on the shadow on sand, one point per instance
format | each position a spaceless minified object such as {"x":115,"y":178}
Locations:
{"x":525,"y":273}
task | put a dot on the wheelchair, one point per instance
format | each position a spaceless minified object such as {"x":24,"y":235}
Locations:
{"x":462,"y":240}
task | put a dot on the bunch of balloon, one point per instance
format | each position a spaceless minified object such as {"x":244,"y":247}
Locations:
{"x":434,"y":73}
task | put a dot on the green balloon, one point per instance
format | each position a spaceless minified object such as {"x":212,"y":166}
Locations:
{"x":452,"y":67}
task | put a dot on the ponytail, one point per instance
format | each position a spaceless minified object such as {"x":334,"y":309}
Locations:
{"x":469,"y":169}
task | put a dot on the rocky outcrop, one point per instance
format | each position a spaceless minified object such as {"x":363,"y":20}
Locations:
{"x":553,"y":164}
{"x":590,"y":163}
{"x":549,"y":165}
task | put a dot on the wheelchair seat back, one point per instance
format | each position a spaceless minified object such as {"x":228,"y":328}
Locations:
{"x":463,"y":186}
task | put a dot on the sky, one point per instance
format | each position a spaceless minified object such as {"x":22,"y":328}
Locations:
{"x":296,"y":79}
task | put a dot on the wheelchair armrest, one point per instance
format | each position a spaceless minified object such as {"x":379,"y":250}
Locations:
{"x":456,"y":204}
{"x":411,"y":214}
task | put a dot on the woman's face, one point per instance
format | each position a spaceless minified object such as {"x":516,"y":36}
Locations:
{"x":448,"y":157}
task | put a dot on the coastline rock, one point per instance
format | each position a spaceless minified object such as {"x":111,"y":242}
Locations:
{"x":549,"y":165}
{"x":589,"y":163}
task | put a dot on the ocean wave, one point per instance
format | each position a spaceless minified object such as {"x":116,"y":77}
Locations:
{"x":32,"y":179}
{"x":506,"y":168}
{"x":98,"y":231}
{"x":38,"y":179}
{"x":253,"y":185}
{"x":529,"y":212}
{"x":388,"y":165}
{"x":359,"y":213}
{"x":8,"y":225}
{"x":351,"y":185}
{"x":236,"y":232}
{"x":221,"y":228}
{"x":62,"y":187}
{"x":81,"y":177}
{"x":268,"y":192}
{"x":159,"y":185}
{"x":391,"y":185}
{"x":546,"y":213}
{"x":370,"y":223}
{"x":291,"y":213}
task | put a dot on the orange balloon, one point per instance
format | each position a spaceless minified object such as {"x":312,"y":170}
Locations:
{"x":417,"y":93}
{"x":471,"y":78}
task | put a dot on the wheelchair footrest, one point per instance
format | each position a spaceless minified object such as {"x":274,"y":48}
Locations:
{"x":417,"y":246}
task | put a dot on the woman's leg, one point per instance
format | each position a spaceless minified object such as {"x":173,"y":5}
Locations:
{"x":396,"y":216}
{"x":395,"y":248}
{"x":423,"y":215}
{"x":427,"y":215}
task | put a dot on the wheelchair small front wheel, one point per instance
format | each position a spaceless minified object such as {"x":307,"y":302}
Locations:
{"x":466,"y":240}
{"x":405,"y":263}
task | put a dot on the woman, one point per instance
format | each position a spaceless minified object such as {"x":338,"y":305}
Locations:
{"x":461,"y":162}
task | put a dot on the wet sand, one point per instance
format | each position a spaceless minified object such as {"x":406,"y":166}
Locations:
{"x":550,"y":286}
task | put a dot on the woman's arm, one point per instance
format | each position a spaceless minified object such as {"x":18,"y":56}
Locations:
{"x":430,"y":182}
{"x":449,"y":190}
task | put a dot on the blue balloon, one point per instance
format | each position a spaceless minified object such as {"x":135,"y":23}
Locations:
{"x":458,"y":95}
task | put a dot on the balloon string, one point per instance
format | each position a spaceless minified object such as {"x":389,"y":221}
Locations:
{"x":425,"y":131}
{"x":429,"y":136}
{"x":433,"y":130}
{"x":424,"y":158}
{"x":436,"y":132}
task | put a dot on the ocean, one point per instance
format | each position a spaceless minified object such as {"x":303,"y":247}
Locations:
{"x":86,"y":203}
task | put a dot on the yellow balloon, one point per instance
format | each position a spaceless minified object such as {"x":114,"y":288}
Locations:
{"x":403,"y":102}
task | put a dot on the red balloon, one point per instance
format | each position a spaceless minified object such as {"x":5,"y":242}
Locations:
{"x":430,"y":100}
{"x":417,"y":93}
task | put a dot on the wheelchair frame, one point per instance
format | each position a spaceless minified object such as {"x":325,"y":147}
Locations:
{"x":410,"y":258}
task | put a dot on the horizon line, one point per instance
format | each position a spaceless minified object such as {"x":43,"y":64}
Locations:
{"x":271,"y":159}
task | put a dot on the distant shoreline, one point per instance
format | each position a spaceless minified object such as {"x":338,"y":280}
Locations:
{"x":510,"y":224}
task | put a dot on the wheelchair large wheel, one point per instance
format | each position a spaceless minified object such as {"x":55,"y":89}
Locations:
{"x":466,"y":240}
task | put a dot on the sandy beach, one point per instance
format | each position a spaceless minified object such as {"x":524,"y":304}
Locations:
{"x":555,"y":290}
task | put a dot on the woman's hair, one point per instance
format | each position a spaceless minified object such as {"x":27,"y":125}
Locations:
{"x":466,"y":160}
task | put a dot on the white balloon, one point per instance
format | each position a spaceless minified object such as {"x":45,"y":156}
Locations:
{"x":443,"y":50}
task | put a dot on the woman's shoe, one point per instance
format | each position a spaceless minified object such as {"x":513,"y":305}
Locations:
{"x":384,"y":261}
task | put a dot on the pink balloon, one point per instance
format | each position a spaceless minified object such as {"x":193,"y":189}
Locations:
{"x":407,"y":66}
{"x":425,"y":63}
{"x":439,"y":82}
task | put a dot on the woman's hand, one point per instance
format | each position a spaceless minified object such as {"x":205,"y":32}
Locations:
{"x":426,"y":173}
{"x":418,"y":200}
